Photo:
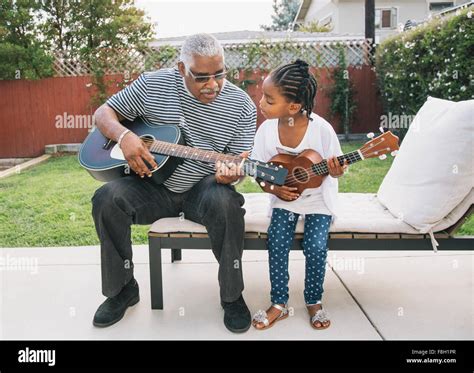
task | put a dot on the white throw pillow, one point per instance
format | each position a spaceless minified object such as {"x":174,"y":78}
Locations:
{"x":433,"y":171}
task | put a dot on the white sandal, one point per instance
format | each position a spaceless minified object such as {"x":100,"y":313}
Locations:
{"x":320,"y":316}
{"x":262,"y":317}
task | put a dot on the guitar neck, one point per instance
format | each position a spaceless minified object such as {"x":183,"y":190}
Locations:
{"x":321,"y":168}
{"x":268,"y":172}
{"x":187,"y":152}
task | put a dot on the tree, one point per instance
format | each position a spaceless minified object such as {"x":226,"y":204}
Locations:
{"x":89,"y":32}
{"x":284,"y":15}
{"x":22,"y":54}
{"x":95,"y":33}
{"x":81,"y":28}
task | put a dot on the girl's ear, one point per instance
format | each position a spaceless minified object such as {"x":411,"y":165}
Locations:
{"x":294,"y":108}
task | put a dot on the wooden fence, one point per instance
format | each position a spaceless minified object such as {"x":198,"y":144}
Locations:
{"x":48,"y":111}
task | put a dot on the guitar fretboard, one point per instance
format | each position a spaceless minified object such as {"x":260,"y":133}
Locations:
{"x":182,"y":151}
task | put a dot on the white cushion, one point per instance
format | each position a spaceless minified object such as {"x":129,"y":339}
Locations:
{"x":359,"y":212}
{"x":433,"y":171}
{"x":455,"y":215}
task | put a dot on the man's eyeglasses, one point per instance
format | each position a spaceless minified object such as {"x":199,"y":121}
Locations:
{"x":205,"y":78}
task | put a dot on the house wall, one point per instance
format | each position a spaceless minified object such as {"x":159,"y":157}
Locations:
{"x":352,"y":15}
{"x":320,"y":9}
{"x":349,"y":15}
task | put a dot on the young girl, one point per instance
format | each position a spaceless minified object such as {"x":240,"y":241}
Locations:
{"x":291,"y":127}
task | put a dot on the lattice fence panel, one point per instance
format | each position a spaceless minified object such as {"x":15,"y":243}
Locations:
{"x":252,"y":55}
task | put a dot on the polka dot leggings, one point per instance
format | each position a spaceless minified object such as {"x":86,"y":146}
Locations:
{"x":280,"y":238}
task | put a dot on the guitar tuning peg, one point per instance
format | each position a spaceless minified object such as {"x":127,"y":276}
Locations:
{"x":382,"y":157}
{"x":394,"y":153}
{"x":381,"y":129}
{"x":262,"y":183}
{"x":272,"y":187}
{"x":370,"y":135}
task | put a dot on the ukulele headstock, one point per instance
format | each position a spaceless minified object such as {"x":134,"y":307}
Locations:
{"x":380,"y":145}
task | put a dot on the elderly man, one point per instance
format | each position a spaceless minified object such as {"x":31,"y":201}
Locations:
{"x":213,"y":114}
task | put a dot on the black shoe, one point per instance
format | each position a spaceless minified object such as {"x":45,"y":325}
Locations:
{"x":236,"y":315}
{"x":113,"y":309}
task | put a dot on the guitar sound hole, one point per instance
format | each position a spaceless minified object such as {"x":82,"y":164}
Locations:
{"x":147,"y":139}
{"x":301,"y":175}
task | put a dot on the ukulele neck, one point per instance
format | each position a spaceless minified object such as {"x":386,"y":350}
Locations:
{"x":321,"y":168}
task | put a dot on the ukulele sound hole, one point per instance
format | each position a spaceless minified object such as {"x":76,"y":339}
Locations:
{"x":301,"y":175}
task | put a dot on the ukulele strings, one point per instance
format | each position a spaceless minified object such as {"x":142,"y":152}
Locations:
{"x":293,"y":179}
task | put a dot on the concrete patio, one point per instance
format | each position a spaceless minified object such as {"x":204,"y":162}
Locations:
{"x":52,"y":293}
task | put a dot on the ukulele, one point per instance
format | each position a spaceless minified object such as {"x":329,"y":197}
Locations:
{"x":308,"y":169}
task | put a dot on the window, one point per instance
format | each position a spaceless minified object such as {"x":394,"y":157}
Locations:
{"x":437,"y":7}
{"x":386,"y":18}
{"x":326,"y":21}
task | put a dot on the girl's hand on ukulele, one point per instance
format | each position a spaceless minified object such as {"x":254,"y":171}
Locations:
{"x":335,"y":169}
{"x":285,"y":193}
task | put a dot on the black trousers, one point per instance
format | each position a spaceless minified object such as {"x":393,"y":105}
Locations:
{"x":131,"y":200}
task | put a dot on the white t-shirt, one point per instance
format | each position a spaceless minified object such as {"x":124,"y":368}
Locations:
{"x":319,"y":136}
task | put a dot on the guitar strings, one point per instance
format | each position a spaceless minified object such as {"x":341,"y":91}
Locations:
{"x":292,"y":178}
{"x":199,"y":152}
{"x":319,"y":167}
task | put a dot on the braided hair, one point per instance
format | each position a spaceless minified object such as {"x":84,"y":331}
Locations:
{"x":297,"y":84}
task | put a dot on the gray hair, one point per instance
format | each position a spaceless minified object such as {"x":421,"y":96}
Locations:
{"x":201,"y":45}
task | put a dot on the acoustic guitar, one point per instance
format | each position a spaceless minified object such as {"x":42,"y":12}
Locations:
{"x":105,"y":161}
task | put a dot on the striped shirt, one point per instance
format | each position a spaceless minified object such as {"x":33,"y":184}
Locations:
{"x":226,"y":125}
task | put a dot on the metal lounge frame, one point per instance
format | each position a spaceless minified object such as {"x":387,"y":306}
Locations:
{"x":177,"y":241}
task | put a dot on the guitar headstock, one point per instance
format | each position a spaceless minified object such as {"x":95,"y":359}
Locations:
{"x":266,"y":171}
{"x":380,"y":145}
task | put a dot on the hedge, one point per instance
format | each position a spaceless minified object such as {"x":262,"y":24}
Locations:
{"x":433,"y":59}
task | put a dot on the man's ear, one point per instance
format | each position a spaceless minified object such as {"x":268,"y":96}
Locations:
{"x":295,"y":108}
{"x":182,"y":69}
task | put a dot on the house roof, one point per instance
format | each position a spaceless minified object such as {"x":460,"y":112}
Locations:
{"x":452,"y":9}
{"x":305,"y":4}
{"x":302,"y":11}
{"x":245,"y":36}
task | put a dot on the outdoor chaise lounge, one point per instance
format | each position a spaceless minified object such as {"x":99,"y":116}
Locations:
{"x":423,"y":200}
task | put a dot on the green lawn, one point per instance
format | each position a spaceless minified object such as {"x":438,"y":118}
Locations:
{"x":49,"y":205}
